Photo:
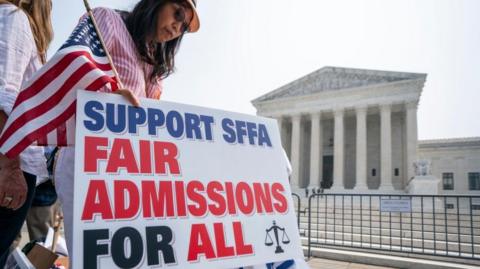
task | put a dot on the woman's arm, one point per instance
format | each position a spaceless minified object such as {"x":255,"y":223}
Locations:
{"x":104,"y":18}
{"x":16,"y":51}
{"x":16,"y":48}
{"x":155,"y":89}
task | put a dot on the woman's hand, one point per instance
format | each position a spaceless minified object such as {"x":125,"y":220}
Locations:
{"x":129,"y":95}
{"x":13,"y":186}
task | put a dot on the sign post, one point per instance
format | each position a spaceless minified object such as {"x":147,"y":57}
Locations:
{"x":181,"y":186}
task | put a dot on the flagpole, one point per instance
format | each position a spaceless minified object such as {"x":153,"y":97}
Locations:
{"x":90,"y":14}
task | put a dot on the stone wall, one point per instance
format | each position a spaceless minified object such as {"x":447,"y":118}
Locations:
{"x":457,"y":159}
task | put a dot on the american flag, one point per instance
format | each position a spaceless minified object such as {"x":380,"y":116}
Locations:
{"x":44,"y":110}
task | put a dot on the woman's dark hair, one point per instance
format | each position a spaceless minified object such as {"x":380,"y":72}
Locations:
{"x":142,"y":25}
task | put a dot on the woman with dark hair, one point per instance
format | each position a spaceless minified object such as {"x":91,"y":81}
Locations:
{"x":25,"y":34}
{"x":142,"y":44}
{"x":157,"y":42}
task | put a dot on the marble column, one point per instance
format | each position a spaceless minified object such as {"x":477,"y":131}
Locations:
{"x":280,"y":130}
{"x":386,"y":147}
{"x":361,"y":152}
{"x":295,"y":152}
{"x":338,"y":150}
{"x":411,"y":138}
{"x":316,"y":151}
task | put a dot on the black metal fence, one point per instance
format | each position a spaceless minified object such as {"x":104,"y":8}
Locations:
{"x":421,"y":224}
{"x":299,"y":207}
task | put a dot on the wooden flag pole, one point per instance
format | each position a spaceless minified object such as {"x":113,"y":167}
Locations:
{"x":90,"y":14}
{"x":56,"y":231}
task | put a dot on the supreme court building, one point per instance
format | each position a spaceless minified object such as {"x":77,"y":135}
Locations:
{"x":355,"y":130}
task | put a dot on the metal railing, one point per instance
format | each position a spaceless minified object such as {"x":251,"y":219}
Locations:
{"x":299,"y":206}
{"x":441,"y":225}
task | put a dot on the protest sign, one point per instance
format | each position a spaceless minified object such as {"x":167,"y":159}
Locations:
{"x":178,"y":186}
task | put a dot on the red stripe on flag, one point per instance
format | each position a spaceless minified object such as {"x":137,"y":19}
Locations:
{"x":42,"y":141}
{"x":62,"y":134}
{"x":46,"y":78}
{"x":103,"y":67}
{"x":48,"y":104}
{"x":98,"y":83}
{"x":114,"y":84}
{"x":27,"y":140}
{"x":53,"y":73}
{"x":62,"y":129}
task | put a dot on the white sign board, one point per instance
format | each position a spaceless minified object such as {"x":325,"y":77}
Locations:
{"x":396,"y":205}
{"x":178,"y":186}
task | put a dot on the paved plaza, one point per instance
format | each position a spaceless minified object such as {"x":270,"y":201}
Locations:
{"x":318,"y":263}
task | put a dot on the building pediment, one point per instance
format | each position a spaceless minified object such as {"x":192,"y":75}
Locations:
{"x":336,"y":78}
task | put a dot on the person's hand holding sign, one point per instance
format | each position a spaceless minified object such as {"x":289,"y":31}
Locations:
{"x":129,"y":96}
{"x":13,"y":187}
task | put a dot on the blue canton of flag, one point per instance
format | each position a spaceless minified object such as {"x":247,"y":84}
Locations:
{"x":85,"y":35}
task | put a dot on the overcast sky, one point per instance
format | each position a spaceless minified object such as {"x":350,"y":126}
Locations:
{"x":246,"y":48}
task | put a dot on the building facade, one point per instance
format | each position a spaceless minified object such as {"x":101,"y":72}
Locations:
{"x":355,"y":130}
{"x":455,"y":161}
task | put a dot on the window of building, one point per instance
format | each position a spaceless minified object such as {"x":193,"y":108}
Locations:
{"x":397,"y":172}
{"x":447,"y":181}
{"x":474,"y":181}
{"x":374,"y":172}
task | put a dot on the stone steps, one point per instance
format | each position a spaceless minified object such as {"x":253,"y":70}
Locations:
{"x":438,"y":221}
{"x":430,"y":235}
{"x":349,"y":239}
{"x":410,"y":261}
{"x":366,"y":227}
{"x":434,"y":230}
{"x":375,"y":214}
{"x":440,"y":234}
{"x":390,"y":236}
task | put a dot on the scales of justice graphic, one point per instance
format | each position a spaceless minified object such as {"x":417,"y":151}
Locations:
{"x":268,"y":238}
